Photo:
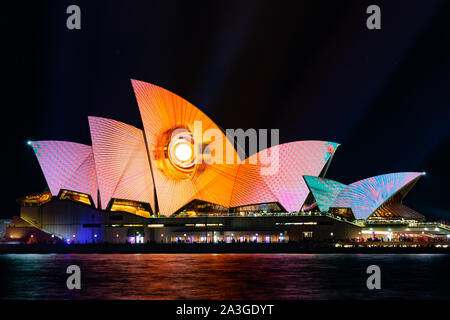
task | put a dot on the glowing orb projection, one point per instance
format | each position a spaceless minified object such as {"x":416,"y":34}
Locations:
{"x":174,"y":154}
{"x":181,"y":150}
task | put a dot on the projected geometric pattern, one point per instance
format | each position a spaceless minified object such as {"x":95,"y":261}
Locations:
{"x":324,"y":191}
{"x":123,"y":169}
{"x":365,"y":196}
{"x":181,"y":158}
{"x":165,"y":114}
{"x":275,"y":174}
{"x":67,"y":165}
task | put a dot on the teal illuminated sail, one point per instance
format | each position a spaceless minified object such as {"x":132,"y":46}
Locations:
{"x":324,"y":190}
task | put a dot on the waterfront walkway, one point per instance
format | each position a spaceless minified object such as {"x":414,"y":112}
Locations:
{"x":291,"y":247}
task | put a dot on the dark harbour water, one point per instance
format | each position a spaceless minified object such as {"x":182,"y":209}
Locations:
{"x":225,"y":276}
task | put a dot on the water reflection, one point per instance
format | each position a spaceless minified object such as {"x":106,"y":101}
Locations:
{"x":223,"y":276}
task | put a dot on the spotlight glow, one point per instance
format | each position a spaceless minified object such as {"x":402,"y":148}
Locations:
{"x":183,"y":151}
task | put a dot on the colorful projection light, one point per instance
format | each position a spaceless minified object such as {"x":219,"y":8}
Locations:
{"x":121,"y":162}
{"x":364,"y":197}
{"x":173,"y":163}
{"x":67,"y":166}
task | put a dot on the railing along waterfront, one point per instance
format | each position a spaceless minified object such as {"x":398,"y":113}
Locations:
{"x":360,"y":223}
{"x":410,"y":223}
{"x":265,"y":214}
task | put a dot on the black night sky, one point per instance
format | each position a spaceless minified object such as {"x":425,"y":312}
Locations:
{"x":310,"y":68}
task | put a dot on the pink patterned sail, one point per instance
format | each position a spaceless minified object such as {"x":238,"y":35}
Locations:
{"x":121,"y":160}
{"x":67,"y":166}
{"x":276,"y":174}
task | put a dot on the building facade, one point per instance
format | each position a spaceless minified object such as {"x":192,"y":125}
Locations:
{"x":182,"y":179}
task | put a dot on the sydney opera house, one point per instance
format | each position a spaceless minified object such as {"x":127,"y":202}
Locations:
{"x":132,"y":185}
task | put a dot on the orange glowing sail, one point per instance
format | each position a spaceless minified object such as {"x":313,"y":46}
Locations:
{"x":180,"y":173}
